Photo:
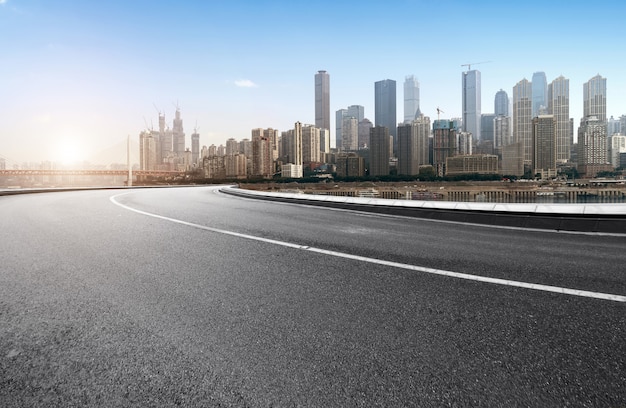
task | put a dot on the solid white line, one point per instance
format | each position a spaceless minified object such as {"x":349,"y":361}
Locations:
{"x":458,"y":275}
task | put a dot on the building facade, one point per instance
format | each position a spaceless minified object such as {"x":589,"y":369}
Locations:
{"x":545,"y":146}
{"x":385,"y":107}
{"x":322,"y":100}
{"x":522,"y":118}
{"x":558,"y":107}
{"x":539,"y":92}
{"x":411,"y":99}
{"x":471,"y":102}
{"x":379,"y":151}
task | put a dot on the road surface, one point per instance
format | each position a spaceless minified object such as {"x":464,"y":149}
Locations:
{"x":190,"y":297}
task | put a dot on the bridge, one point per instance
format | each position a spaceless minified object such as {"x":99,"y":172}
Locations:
{"x":139,"y":173}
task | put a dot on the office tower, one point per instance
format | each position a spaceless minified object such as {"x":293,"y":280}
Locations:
{"x":486,"y":127}
{"x":422,"y":123}
{"x":558,"y":107}
{"x":364,"y":133}
{"x":501,"y":103}
{"x":594,"y":98}
{"x":322,"y":100}
{"x":195,"y":147}
{"x":379,"y":151}
{"x":471,"y":102}
{"x":349,"y":134}
{"x":356,"y":111}
{"x":545,"y":146}
{"x":613,"y":126}
{"x":353,"y":111}
{"x":311,"y":153}
{"x":592,"y":146}
{"x":522,"y":118}
{"x":385,"y":107}
{"x":617,"y":146}
{"x":539,"y":93}
{"x":444,"y":143}
{"x":622,"y":124}
{"x":178,"y":136}
{"x":411,"y":99}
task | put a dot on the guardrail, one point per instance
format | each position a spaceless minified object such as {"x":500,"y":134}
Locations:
{"x":589,"y":218}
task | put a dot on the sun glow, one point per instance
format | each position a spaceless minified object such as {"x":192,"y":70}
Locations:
{"x":69,"y":153}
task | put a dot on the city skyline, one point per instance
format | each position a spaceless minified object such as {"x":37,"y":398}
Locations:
{"x":79,"y":78}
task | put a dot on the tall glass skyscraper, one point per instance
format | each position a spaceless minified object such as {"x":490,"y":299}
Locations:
{"x":522,"y":118}
{"x":471,"y":102}
{"x":322,"y":100}
{"x":385,"y":107}
{"x":411,"y":99}
{"x":501,"y":103}
{"x":540,"y":92}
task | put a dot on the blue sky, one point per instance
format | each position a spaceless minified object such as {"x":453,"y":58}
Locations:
{"x":78,"y":77}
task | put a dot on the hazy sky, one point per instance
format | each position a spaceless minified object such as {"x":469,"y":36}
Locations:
{"x":80,"y":76}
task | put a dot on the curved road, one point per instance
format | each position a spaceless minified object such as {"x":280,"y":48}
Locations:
{"x":190,"y":297}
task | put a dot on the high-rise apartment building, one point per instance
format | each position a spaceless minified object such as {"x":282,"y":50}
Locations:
{"x":322,"y":100}
{"x":379,"y":151}
{"x":471,"y":102}
{"x":385,"y":107}
{"x":545,"y":146}
{"x":411,"y":99}
{"x":311,"y":152}
{"x":501,"y":132}
{"x":148,"y":141}
{"x":617,"y":146}
{"x":407,"y":150}
{"x":349,"y":134}
{"x":558,"y":107}
{"x":592,"y":147}
{"x":262,"y":160}
{"x":539,"y":93}
{"x":522,"y":118}
{"x":594,"y":98}
{"x":501,"y":103}
{"x":325,"y":140}
{"x":339,"y":115}
{"x":444,"y":143}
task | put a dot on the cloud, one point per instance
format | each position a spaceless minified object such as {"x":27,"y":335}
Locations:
{"x":242,"y":83}
{"x":3,"y":1}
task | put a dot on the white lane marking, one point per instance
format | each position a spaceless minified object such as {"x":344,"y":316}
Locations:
{"x":458,"y":275}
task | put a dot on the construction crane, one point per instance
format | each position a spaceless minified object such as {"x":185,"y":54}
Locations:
{"x":469,"y":66}
{"x":439,"y":111}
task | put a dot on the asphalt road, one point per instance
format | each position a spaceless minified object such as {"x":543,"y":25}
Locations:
{"x":205,"y":299}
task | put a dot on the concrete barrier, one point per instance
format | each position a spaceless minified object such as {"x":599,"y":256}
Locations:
{"x":590,"y":218}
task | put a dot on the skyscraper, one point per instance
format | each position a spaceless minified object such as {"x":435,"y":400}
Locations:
{"x":558,"y":107}
{"x":501,"y":104}
{"x":195,"y":147}
{"x":339,"y":115}
{"x":385,"y":107}
{"x":545,"y":148}
{"x":539,"y":92}
{"x":522,"y":118}
{"x":379,"y":151}
{"x":322,"y":100}
{"x":594,"y":98}
{"x":471,"y":102}
{"x":178,"y":135}
{"x":592,"y":147}
{"x":411,"y":99}
{"x":444,"y":143}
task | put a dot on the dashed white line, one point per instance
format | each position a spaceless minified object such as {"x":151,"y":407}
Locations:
{"x":458,"y":275}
